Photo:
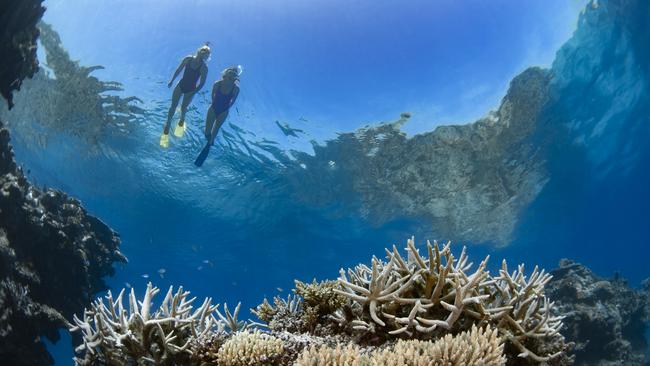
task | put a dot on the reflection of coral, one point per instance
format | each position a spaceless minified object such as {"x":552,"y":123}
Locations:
{"x":18,"y":34}
{"x":113,"y":335}
{"x":72,"y":101}
{"x":473,"y":347}
{"x":421,"y":295}
{"x":250,"y":349}
{"x":605,"y":318}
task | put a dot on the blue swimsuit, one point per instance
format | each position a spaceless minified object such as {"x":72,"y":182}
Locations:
{"x":222,"y":102}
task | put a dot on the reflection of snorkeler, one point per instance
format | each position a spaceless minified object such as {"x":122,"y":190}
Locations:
{"x":224,"y":94}
{"x":195,"y":70}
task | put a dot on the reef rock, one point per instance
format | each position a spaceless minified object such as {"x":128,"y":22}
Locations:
{"x":605,"y":318}
{"x":53,"y":256}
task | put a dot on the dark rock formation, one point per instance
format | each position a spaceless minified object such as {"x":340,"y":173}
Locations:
{"x":605,"y":318}
{"x":18,"y":34}
{"x":53,"y":255}
{"x":66,"y":97}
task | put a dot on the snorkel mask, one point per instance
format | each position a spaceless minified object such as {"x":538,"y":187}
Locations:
{"x":204,"y":53}
{"x":235,"y":71}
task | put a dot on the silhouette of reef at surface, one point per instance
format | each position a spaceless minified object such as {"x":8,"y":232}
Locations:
{"x":18,"y":34}
{"x":605,"y":318}
{"x":53,"y":255}
{"x":71,"y":100}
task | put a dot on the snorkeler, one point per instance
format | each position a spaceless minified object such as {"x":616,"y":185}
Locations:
{"x":224,"y":94}
{"x":195,"y":70}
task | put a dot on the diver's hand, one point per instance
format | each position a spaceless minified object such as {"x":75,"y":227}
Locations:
{"x":169,"y":85}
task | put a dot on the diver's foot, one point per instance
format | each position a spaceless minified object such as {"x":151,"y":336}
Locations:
{"x":164,"y":140}
{"x":179,"y":131}
{"x":202,"y":156}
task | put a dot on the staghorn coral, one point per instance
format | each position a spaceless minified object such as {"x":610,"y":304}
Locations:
{"x":474,"y":347}
{"x":229,"y":320}
{"x":406,"y":310}
{"x":283,"y":315}
{"x":250,"y":349}
{"x":112,"y":335}
{"x":428,"y":297}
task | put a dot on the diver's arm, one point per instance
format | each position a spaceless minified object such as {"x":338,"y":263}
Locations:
{"x":235,"y":93}
{"x":178,"y":70}
{"x":204,"y":76}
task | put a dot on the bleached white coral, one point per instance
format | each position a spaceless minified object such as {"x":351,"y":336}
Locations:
{"x":114,"y":335}
{"x":250,"y":349}
{"x":420,"y":295}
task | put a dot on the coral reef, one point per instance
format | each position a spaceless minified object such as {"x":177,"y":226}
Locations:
{"x":53,"y":256}
{"x":404,"y":309}
{"x":18,"y":34}
{"x":605,"y":318}
{"x":71,"y":100}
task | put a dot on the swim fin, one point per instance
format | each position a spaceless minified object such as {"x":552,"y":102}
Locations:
{"x":179,"y":131}
{"x":202,"y":156}
{"x":164,"y":140}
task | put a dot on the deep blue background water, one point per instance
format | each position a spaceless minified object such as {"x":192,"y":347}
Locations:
{"x":232,"y":230}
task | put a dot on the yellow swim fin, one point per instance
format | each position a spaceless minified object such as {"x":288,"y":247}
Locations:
{"x":164,"y":140}
{"x":179,"y":131}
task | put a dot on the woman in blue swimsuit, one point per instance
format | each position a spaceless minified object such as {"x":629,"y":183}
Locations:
{"x":224,"y":95}
{"x":195,"y":70}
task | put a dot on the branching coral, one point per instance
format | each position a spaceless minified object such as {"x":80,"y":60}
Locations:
{"x":113,"y":335}
{"x":405,"y":310}
{"x":430,"y":296}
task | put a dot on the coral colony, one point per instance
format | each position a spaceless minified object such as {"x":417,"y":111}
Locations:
{"x":415,"y":309}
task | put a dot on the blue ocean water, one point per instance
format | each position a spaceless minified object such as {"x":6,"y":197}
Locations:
{"x":237,"y":231}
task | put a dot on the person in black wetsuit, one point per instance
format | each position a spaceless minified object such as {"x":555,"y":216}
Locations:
{"x":195,"y":70}
{"x":224,"y":95}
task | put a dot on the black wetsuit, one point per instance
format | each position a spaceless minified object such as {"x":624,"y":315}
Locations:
{"x":190,"y":77}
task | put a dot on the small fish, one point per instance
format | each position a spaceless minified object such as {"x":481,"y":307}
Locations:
{"x":199,"y":268}
{"x":145,"y":276}
{"x":209,"y":263}
{"x":128,"y":285}
{"x":195,"y":248}
{"x":279,"y":289}
{"x":161,"y":272}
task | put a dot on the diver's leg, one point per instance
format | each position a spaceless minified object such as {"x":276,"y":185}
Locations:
{"x":209,"y":122}
{"x":217,"y":125}
{"x":187,"y":99}
{"x":176,"y":96}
